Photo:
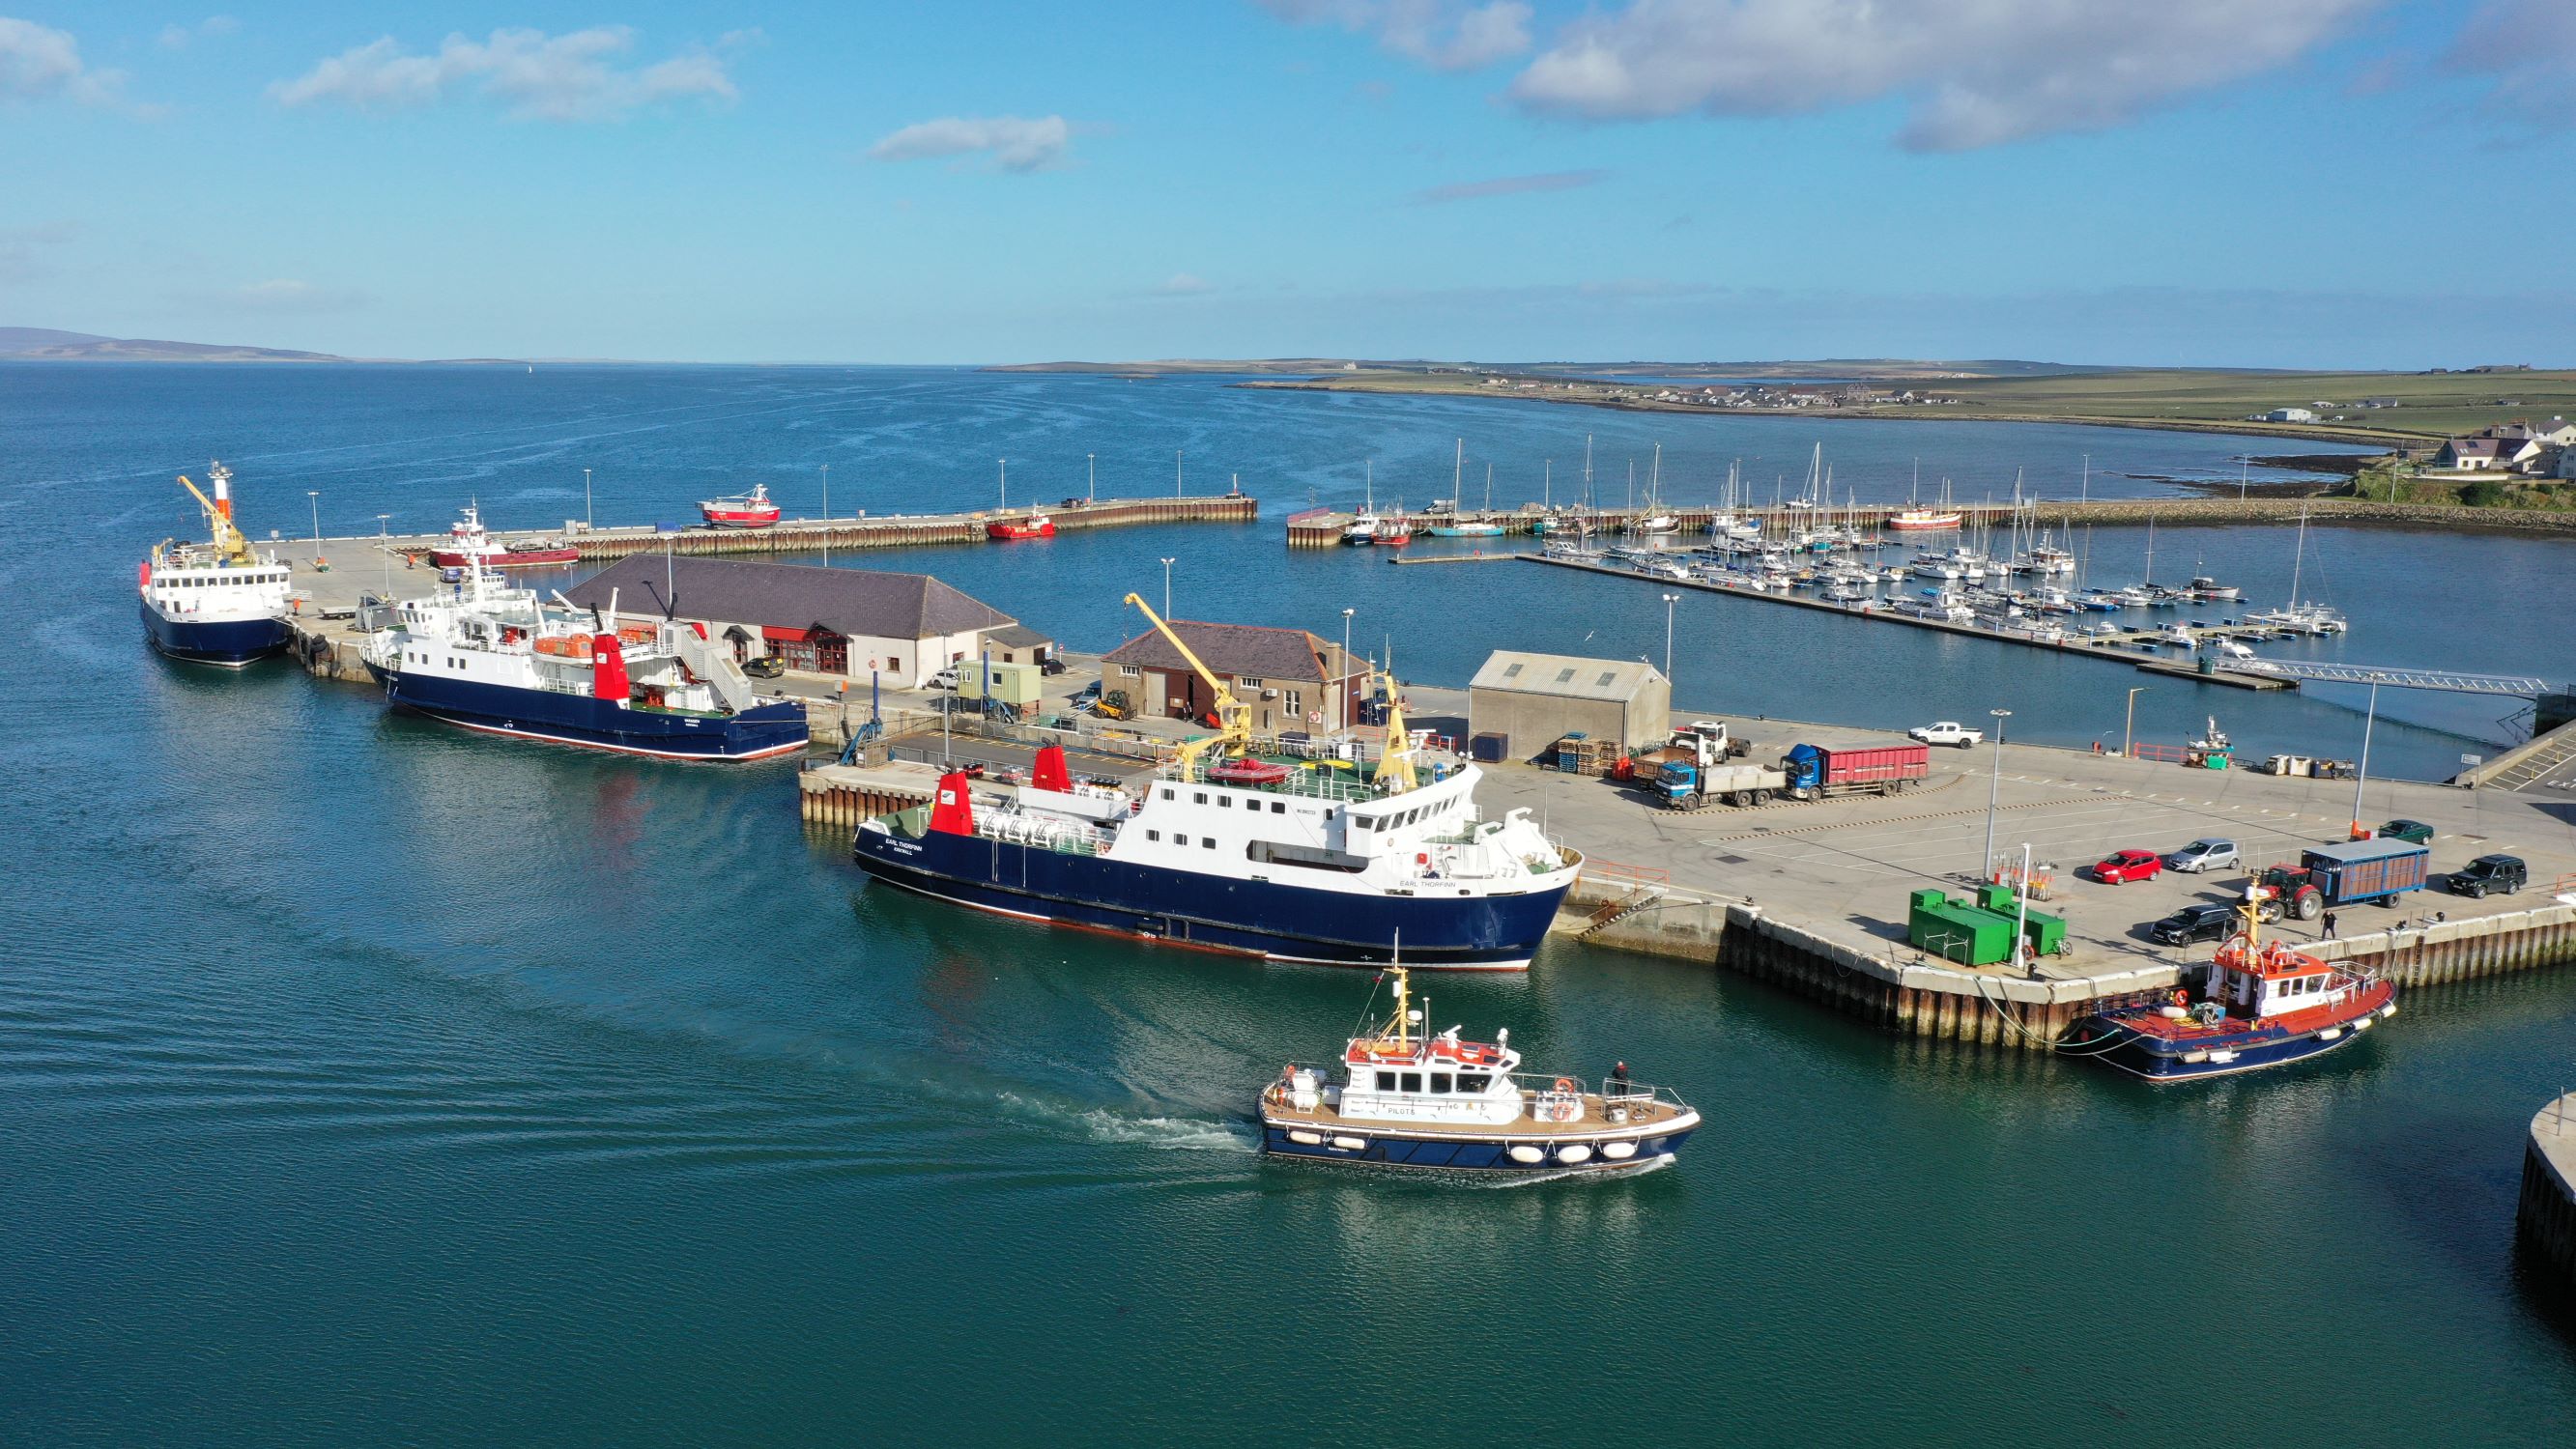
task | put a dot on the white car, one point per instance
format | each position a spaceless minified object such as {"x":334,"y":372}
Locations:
{"x":944,"y":679}
{"x":1947,"y":732}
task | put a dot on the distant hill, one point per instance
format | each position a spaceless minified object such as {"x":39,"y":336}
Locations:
{"x":45,"y":344}
{"x":1874,"y":368}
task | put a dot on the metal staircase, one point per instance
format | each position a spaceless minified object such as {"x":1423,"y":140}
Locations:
{"x":715,"y":666}
{"x":1639,"y":897}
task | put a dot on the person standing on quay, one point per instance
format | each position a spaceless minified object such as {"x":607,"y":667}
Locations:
{"x":2330,"y":928}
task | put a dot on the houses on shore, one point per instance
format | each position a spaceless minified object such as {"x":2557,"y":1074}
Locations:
{"x":2513,"y":450}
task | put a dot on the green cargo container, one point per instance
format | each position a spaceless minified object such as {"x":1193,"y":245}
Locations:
{"x":1957,"y":931}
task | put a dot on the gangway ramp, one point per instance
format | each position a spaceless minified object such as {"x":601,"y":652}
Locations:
{"x":2453,"y":681}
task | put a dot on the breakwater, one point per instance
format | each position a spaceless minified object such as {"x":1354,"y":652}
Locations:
{"x":2545,"y":1218}
{"x":902,"y":531}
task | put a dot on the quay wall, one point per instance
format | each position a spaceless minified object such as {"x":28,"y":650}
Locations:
{"x":802,"y":536}
{"x":2545,"y":1217}
{"x":1897,"y":990}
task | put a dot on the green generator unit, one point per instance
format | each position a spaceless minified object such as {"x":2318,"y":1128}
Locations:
{"x":1979,"y":932}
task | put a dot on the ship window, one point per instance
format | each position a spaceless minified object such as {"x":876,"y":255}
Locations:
{"x":1198,"y":797}
{"x":1225,"y":802}
{"x":1208,"y":840}
{"x":1471,"y":1081}
{"x":1180,"y":840}
{"x":1153,"y":835}
{"x":1386,"y":1081}
{"x":1278,"y":807}
{"x":1412,"y":1082}
{"x":1440,"y":1081}
{"x":1170,"y":794}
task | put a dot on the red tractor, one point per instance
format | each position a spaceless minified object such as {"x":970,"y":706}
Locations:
{"x":2289,"y":890}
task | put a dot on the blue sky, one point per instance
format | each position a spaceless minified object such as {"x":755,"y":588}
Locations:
{"x":2259,"y":182}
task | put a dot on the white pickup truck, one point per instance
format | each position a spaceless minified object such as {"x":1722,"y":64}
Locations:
{"x":1947,"y":732}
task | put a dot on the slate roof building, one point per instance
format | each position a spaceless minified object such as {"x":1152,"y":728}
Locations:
{"x":1288,"y":678}
{"x":902,"y":627}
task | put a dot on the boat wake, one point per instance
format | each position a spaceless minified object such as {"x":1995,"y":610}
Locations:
{"x":1169,"y":1134}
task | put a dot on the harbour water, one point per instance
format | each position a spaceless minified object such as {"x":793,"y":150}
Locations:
{"x":372,"y":1082}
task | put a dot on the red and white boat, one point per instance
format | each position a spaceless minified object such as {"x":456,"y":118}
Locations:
{"x":747,"y":510}
{"x":2263,"y":1004}
{"x":1036,"y":525}
{"x":1923,"y":520}
{"x":1394,"y":532}
{"x":468,"y":543}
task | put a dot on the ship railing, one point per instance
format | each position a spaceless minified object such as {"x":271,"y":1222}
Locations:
{"x":1613,"y":1092}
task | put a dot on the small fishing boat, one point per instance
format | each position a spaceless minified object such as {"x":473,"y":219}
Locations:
{"x":1036,"y":525}
{"x":2263,"y":1004}
{"x":1403,"y":1097}
{"x":1655,"y":524}
{"x":1393,"y":532}
{"x":1922,"y":520}
{"x":1363,"y":529}
{"x":2202,"y":586}
{"x":1468,"y":530}
{"x":742,"y":510}
{"x":467,"y":542}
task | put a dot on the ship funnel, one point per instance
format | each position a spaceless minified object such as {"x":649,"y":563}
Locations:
{"x":608,"y":669}
{"x":1049,"y":773}
{"x":954,"y":811}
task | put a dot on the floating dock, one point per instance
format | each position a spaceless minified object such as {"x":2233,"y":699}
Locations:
{"x":2098,"y":646}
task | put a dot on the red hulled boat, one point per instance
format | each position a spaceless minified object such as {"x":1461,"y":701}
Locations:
{"x":467,"y":543}
{"x":1036,"y":525}
{"x":748,"y":510}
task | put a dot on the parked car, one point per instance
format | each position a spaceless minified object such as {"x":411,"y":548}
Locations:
{"x":2203,"y":922}
{"x":2123,"y":866}
{"x":764,"y":666}
{"x":1947,"y":732}
{"x":2207,"y":853}
{"x":2413,"y":832}
{"x":944,"y":679}
{"x":2487,"y":875}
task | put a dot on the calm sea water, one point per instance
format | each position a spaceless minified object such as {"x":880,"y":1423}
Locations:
{"x":369,"y":1082}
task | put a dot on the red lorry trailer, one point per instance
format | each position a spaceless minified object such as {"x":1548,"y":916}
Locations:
{"x":1815,"y":771}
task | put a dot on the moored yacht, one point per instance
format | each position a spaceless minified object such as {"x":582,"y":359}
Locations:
{"x":1402,"y":1097}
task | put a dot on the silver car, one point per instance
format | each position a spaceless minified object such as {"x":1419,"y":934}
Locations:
{"x":2202,"y":855}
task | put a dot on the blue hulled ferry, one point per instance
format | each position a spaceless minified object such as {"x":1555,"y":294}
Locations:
{"x":1229,"y":850}
{"x":495,"y":659}
{"x":216,"y":602}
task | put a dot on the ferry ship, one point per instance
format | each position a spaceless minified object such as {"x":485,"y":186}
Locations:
{"x":468,"y":542}
{"x":743,"y":510}
{"x":2265,"y":1004}
{"x":216,"y":602}
{"x":497,"y":660}
{"x":1404,"y":1098}
{"x":1230,"y":852}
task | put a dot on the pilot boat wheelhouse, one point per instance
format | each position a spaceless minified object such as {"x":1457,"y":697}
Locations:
{"x":2263,"y":1004}
{"x":1400,"y":1098}
{"x":1229,"y":851}
{"x":216,"y":602}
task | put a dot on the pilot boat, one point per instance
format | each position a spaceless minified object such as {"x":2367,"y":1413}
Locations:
{"x":1400,"y":1097}
{"x":2264,"y":1004}
{"x":743,"y":510}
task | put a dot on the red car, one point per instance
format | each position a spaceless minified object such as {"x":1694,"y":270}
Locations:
{"x":2123,"y":866}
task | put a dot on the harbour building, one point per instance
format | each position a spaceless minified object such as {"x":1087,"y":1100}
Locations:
{"x":902,"y":628}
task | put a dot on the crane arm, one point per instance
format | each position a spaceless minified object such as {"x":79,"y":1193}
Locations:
{"x":1234,"y":729}
{"x":1395,"y":758}
{"x":228,"y":538}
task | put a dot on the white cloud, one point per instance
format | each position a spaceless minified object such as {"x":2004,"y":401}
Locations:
{"x":1443,"y":34}
{"x":1972,"y":72}
{"x":1184,"y":284}
{"x":530,"y":74}
{"x":2527,"y":49}
{"x":179,"y":37}
{"x":38,"y":61}
{"x":1015,"y":143}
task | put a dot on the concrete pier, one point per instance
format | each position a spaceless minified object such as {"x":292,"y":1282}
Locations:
{"x":2545,"y":1220}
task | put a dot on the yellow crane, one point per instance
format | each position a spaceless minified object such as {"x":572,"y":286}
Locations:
{"x":1234,"y":721}
{"x":1395,"y":757}
{"x":228,"y":540}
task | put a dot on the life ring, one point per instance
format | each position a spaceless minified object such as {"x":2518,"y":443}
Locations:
{"x":1565,"y":1084}
{"x":2181,"y":998}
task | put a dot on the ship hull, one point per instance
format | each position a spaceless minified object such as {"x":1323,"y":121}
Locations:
{"x":1237,"y":916}
{"x":2144,"y":1055}
{"x":1385,"y":1147}
{"x":523,"y":559}
{"x":230,"y":643}
{"x":763,"y":732}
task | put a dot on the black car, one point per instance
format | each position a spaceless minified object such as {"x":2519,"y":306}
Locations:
{"x":765,"y":666}
{"x":2195,"y":923}
{"x":2490,"y":875}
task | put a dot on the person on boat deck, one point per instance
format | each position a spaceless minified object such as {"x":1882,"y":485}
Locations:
{"x":1619,"y":1074}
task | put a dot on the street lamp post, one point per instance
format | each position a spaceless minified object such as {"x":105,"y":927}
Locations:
{"x":385,"y":546}
{"x":1176,"y":472}
{"x":1167,"y":588}
{"x":585,"y":498}
{"x":1994,"y":787}
{"x":2129,"y":726}
{"x":2361,"y":777}
{"x":1669,"y":601}
{"x":314,"y":496}
{"x":1343,"y":690}
{"x":827,"y":515}
{"x":1091,"y":465}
